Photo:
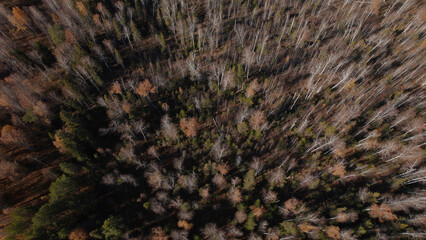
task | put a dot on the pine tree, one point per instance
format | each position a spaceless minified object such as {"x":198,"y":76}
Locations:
{"x":57,"y":34}
{"x":113,"y":228}
{"x":249,"y":180}
{"x":117,"y":30}
{"x":135,"y":32}
{"x":163,"y":43}
{"x":118,"y":58}
{"x":251,"y":223}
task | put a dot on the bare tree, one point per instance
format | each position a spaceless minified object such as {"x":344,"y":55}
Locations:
{"x":248,"y":59}
{"x":190,"y":182}
{"x":157,"y":207}
{"x":154,"y":179}
{"x":178,"y":164}
{"x":127,"y":153}
{"x":219,"y":149}
{"x":127,"y":34}
{"x":254,"y":236}
{"x":169,"y":129}
{"x":418,"y":220}
{"x":179,"y":235}
{"x":127,"y":178}
{"x":240,"y":216}
{"x":256,"y":165}
{"x":193,"y":67}
{"x":218,"y":71}
{"x":185,"y":215}
{"x":211,"y":232}
{"x":405,"y":203}
{"x":269,"y":196}
{"x":233,"y":231}
{"x":139,"y":126}
{"x":153,"y":152}
{"x":240,"y":32}
{"x":276,"y":176}
{"x":38,"y":18}
{"x":219,"y":180}
{"x":347,"y":235}
{"x":100,"y":54}
{"x":258,"y":120}
{"x":10,"y":170}
{"x":109,"y":179}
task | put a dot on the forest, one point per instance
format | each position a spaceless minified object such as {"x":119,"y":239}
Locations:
{"x":212,"y":119}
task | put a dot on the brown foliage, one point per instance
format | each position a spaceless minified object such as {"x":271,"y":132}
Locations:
{"x":257,"y":211}
{"x":383,"y":212}
{"x":55,"y":18}
{"x":20,"y":15}
{"x":127,"y":107}
{"x":219,"y":180}
{"x":333,"y":232}
{"x":97,"y":19}
{"x":306,"y":227}
{"x":375,"y":6}
{"x":41,"y":109}
{"x":338,"y":170}
{"x":10,"y":134}
{"x":58,"y":143}
{"x":252,"y":88}
{"x":69,"y":36}
{"x":204,"y":193}
{"x":234,"y":196}
{"x":81,"y":8}
{"x":165,"y":106}
{"x":223,"y":168}
{"x":78,"y":234}
{"x":292,"y":204}
{"x":158,"y":233}
{"x":115,"y":88}
{"x":189,"y":126}
{"x":185,"y":225}
{"x":102,"y":9}
{"x":346,"y":217}
{"x":257,"y":120}
{"x":9,"y":170}
{"x":287,"y":59}
{"x":144,"y":88}
{"x":154,"y":179}
{"x":19,"y":19}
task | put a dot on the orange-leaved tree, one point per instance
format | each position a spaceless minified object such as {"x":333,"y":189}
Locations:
{"x":189,"y":126}
{"x":19,"y":19}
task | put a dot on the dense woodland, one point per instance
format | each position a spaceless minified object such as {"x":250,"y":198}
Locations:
{"x":212,"y":119}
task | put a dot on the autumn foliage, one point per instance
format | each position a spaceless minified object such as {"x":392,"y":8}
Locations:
{"x":78,"y":234}
{"x":189,"y":126}
{"x":241,"y":119}
{"x":12,"y":135}
{"x":333,"y":232}
{"x":382,"y":212}
{"x":19,"y":19}
{"x":144,"y":88}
